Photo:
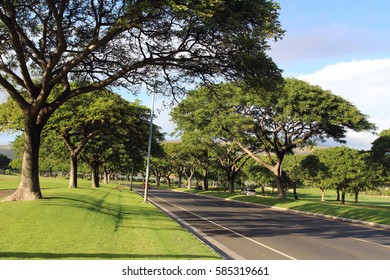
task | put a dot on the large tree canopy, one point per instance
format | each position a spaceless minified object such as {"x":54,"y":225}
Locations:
{"x":77,"y":46}
{"x":271,"y":124}
{"x":85,"y":117}
{"x":380,"y":150}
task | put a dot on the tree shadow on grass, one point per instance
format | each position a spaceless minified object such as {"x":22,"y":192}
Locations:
{"x":119,"y":213}
{"x":99,"y":256}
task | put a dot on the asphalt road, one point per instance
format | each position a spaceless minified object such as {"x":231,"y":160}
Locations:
{"x":243,"y":231}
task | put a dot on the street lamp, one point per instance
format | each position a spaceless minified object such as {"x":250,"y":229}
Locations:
{"x":149,"y":148}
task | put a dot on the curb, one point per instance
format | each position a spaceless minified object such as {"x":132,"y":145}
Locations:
{"x":214,"y":245}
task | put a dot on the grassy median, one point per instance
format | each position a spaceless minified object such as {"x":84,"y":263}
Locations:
{"x":88,"y":223}
{"x":375,"y":209}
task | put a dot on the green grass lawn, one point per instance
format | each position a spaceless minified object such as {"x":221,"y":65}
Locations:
{"x":88,"y":223}
{"x":374,"y":209}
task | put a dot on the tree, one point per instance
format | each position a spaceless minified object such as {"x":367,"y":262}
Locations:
{"x":4,"y":162}
{"x":161,"y":168}
{"x":176,"y":156}
{"x":294,"y":171}
{"x":200,"y":151}
{"x":71,"y":47}
{"x":380,"y":150}
{"x":317,"y":174}
{"x":348,"y":170}
{"x":231,"y":160}
{"x":53,"y":155}
{"x":84,"y":117}
{"x":258,"y":174}
{"x":123,"y":144}
{"x":197,"y":124}
{"x":272,"y":123}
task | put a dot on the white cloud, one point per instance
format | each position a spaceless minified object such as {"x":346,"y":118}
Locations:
{"x":366,"y":84}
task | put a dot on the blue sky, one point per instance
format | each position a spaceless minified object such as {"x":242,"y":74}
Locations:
{"x":341,"y":45}
{"x":324,"y":32}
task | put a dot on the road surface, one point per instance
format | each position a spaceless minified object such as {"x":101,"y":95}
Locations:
{"x":246,"y":231}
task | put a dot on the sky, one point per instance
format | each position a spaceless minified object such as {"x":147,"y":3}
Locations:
{"x":341,"y":45}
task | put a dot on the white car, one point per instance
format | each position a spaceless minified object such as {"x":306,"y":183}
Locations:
{"x":250,"y":192}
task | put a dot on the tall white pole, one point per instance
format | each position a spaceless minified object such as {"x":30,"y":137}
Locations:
{"x":149,"y":149}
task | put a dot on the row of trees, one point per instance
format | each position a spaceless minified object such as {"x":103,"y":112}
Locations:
{"x":53,"y":54}
{"x":265,"y":125}
{"x":343,"y":169}
{"x":106,"y":132}
{"x":54,"y":51}
{"x":110,"y":135}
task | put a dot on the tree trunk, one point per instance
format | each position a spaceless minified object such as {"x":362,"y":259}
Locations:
{"x":189,"y":182}
{"x":231,"y":174}
{"x":338,"y":194}
{"x":179,"y":180}
{"x":180,"y":177}
{"x":106,"y":179}
{"x":158,"y":181}
{"x":205,"y":182}
{"x":230,"y":182}
{"x":189,"y":174}
{"x":95,"y":175}
{"x":295,"y":192}
{"x":73,"y":170}
{"x":168,"y":178}
{"x":356,"y":195}
{"x":322,"y":194}
{"x":107,"y":176}
{"x":343,"y":192}
{"x":280,"y":186}
{"x":29,"y":187}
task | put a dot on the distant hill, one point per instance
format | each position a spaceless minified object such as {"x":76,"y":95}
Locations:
{"x":7,"y":150}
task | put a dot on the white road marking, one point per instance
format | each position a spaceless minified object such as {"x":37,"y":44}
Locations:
{"x":232,"y":231}
{"x":370,"y":242}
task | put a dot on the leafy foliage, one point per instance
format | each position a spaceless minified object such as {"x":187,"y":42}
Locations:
{"x":380,"y":150}
{"x":271,"y":123}
{"x":4,"y":162}
{"x":53,"y":51}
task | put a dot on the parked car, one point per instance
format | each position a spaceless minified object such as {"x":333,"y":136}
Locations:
{"x":250,"y":192}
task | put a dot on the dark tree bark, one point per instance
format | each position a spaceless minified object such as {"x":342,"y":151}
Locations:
{"x":280,"y":186}
{"x":231,"y":174}
{"x":73,"y":170}
{"x":205,"y":182}
{"x":95,"y":174}
{"x":29,"y":187}
{"x":343,"y":193}
{"x":295,"y":192}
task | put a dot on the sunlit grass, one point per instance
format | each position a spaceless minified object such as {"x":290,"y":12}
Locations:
{"x":88,"y":223}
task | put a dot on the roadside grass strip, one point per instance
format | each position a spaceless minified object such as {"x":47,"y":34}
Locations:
{"x":372,"y":209}
{"x":86,"y":223}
